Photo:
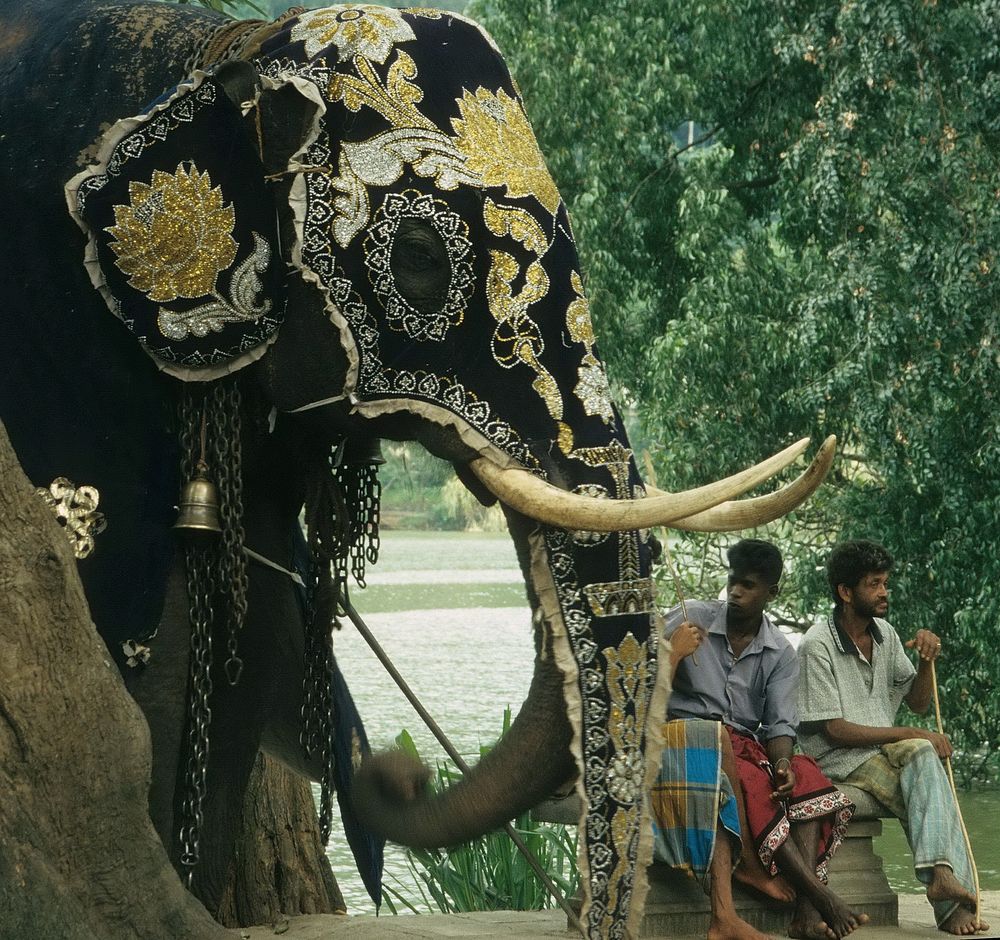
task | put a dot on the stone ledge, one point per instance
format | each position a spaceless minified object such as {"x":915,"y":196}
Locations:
{"x":677,"y":906}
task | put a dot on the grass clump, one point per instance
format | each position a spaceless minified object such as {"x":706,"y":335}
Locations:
{"x":488,"y":874}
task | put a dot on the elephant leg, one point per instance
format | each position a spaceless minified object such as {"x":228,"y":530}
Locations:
{"x":262,"y":710}
{"x":282,"y":732}
{"x":160,"y":689}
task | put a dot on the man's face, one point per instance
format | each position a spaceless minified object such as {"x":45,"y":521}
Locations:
{"x":747,"y":594}
{"x":870,"y":598}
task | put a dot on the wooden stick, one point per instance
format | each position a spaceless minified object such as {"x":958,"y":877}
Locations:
{"x":651,"y":474}
{"x":452,"y":752}
{"x":954,"y":792}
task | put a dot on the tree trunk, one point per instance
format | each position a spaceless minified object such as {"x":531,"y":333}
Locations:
{"x":79,"y":858}
{"x":280,"y":867}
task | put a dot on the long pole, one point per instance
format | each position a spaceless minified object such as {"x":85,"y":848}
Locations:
{"x":651,"y":474}
{"x":452,"y":752}
{"x":954,"y":791}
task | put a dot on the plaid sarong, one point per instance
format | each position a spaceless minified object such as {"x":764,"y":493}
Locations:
{"x":691,"y":797}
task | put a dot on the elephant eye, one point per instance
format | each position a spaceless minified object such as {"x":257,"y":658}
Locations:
{"x":420,"y":265}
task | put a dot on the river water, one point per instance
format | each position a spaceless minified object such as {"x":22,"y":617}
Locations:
{"x":450,"y":610}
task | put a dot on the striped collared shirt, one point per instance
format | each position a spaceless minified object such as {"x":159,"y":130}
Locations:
{"x":838,"y":682}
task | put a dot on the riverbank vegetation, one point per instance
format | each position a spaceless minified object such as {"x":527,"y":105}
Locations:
{"x":489,"y":874}
{"x":788,"y":221}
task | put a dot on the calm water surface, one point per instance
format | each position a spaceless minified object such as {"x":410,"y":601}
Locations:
{"x":450,"y":610}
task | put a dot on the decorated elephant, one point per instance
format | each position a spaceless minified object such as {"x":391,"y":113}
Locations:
{"x":237,"y":254}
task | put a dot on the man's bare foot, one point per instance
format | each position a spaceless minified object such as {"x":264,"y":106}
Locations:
{"x":731,"y":927}
{"x":946,"y":887}
{"x":810,"y":929}
{"x":830,"y":919}
{"x":962,"y":923}
{"x":752,"y":875}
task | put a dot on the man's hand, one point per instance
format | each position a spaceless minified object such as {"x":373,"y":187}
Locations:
{"x":940,"y":741}
{"x":685,"y":640}
{"x":784,"y":779}
{"x":927,"y":644}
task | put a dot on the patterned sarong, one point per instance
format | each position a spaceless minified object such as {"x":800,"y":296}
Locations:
{"x":691,"y":797}
{"x":909,"y":779}
{"x":814,"y":797}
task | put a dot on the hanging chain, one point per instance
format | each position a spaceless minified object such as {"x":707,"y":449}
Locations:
{"x":200,"y":569}
{"x":342,"y":522}
{"x":363,"y":492}
{"x":326,"y":528}
{"x":227,"y":461}
{"x":210,"y":439}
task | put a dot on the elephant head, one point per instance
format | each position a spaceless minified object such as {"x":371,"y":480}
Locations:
{"x":357,"y":218}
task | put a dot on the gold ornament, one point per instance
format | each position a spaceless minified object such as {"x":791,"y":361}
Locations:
{"x":75,"y":508}
{"x":174,"y":236}
{"x":500,"y":146}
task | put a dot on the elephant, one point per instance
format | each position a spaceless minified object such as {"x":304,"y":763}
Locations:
{"x":238,"y":254}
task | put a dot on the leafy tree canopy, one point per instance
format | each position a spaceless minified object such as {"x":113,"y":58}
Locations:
{"x":789,"y":219}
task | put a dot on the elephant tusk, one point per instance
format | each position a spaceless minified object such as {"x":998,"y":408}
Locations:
{"x":533,"y":497}
{"x":747,"y":513}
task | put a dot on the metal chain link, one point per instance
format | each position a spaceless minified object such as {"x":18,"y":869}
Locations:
{"x":208,"y":569}
{"x":227,"y":463}
{"x":200,"y":590}
{"x":317,"y":701}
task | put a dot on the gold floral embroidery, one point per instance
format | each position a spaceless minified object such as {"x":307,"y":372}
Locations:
{"x":381,"y":160}
{"x":517,"y":338}
{"x":578,"y":322}
{"x":499,"y":145}
{"x":624,"y":836}
{"x":75,"y":509}
{"x":626,"y":679}
{"x":593,"y":388}
{"x":369,"y":31}
{"x":246,"y":285}
{"x":632,"y":593}
{"x":174,"y":236}
{"x":396,"y":100}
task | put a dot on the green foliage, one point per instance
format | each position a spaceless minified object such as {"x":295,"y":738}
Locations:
{"x":420,"y":491}
{"x":489,"y":874}
{"x":822,"y":260}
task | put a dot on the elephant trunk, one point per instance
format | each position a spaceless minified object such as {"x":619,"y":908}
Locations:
{"x":525,"y":767}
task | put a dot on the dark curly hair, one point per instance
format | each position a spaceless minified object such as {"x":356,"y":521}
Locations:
{"x":757,"y":556}
{"x":850,"y":561}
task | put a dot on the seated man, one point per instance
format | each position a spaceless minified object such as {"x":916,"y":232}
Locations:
{"x":696,"y":826}
{"x":745,"y":677}
{"x":855,"y":675}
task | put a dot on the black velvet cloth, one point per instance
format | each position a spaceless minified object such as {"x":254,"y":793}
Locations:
{"x":423,"y":126}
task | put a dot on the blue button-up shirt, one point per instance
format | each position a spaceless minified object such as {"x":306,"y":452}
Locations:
{"x":754,"y":692}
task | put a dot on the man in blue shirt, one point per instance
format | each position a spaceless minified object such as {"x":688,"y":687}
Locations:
{"x":745,"y":675}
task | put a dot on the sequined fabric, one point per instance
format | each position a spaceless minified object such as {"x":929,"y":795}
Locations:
{"x":420,"y":124}
{"x":423,"y":119}
{"x":199,"y":283}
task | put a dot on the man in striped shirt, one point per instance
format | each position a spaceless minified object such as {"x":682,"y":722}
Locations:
{"x":854,"y":674}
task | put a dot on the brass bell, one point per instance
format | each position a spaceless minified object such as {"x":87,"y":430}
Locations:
{"x":363,"y":451}
{"x":198,"y":514}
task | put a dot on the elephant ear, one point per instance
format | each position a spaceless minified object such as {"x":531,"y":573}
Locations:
{"x":183,"y":236}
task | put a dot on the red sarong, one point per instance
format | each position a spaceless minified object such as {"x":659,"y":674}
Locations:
{"x":814,"y":797}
